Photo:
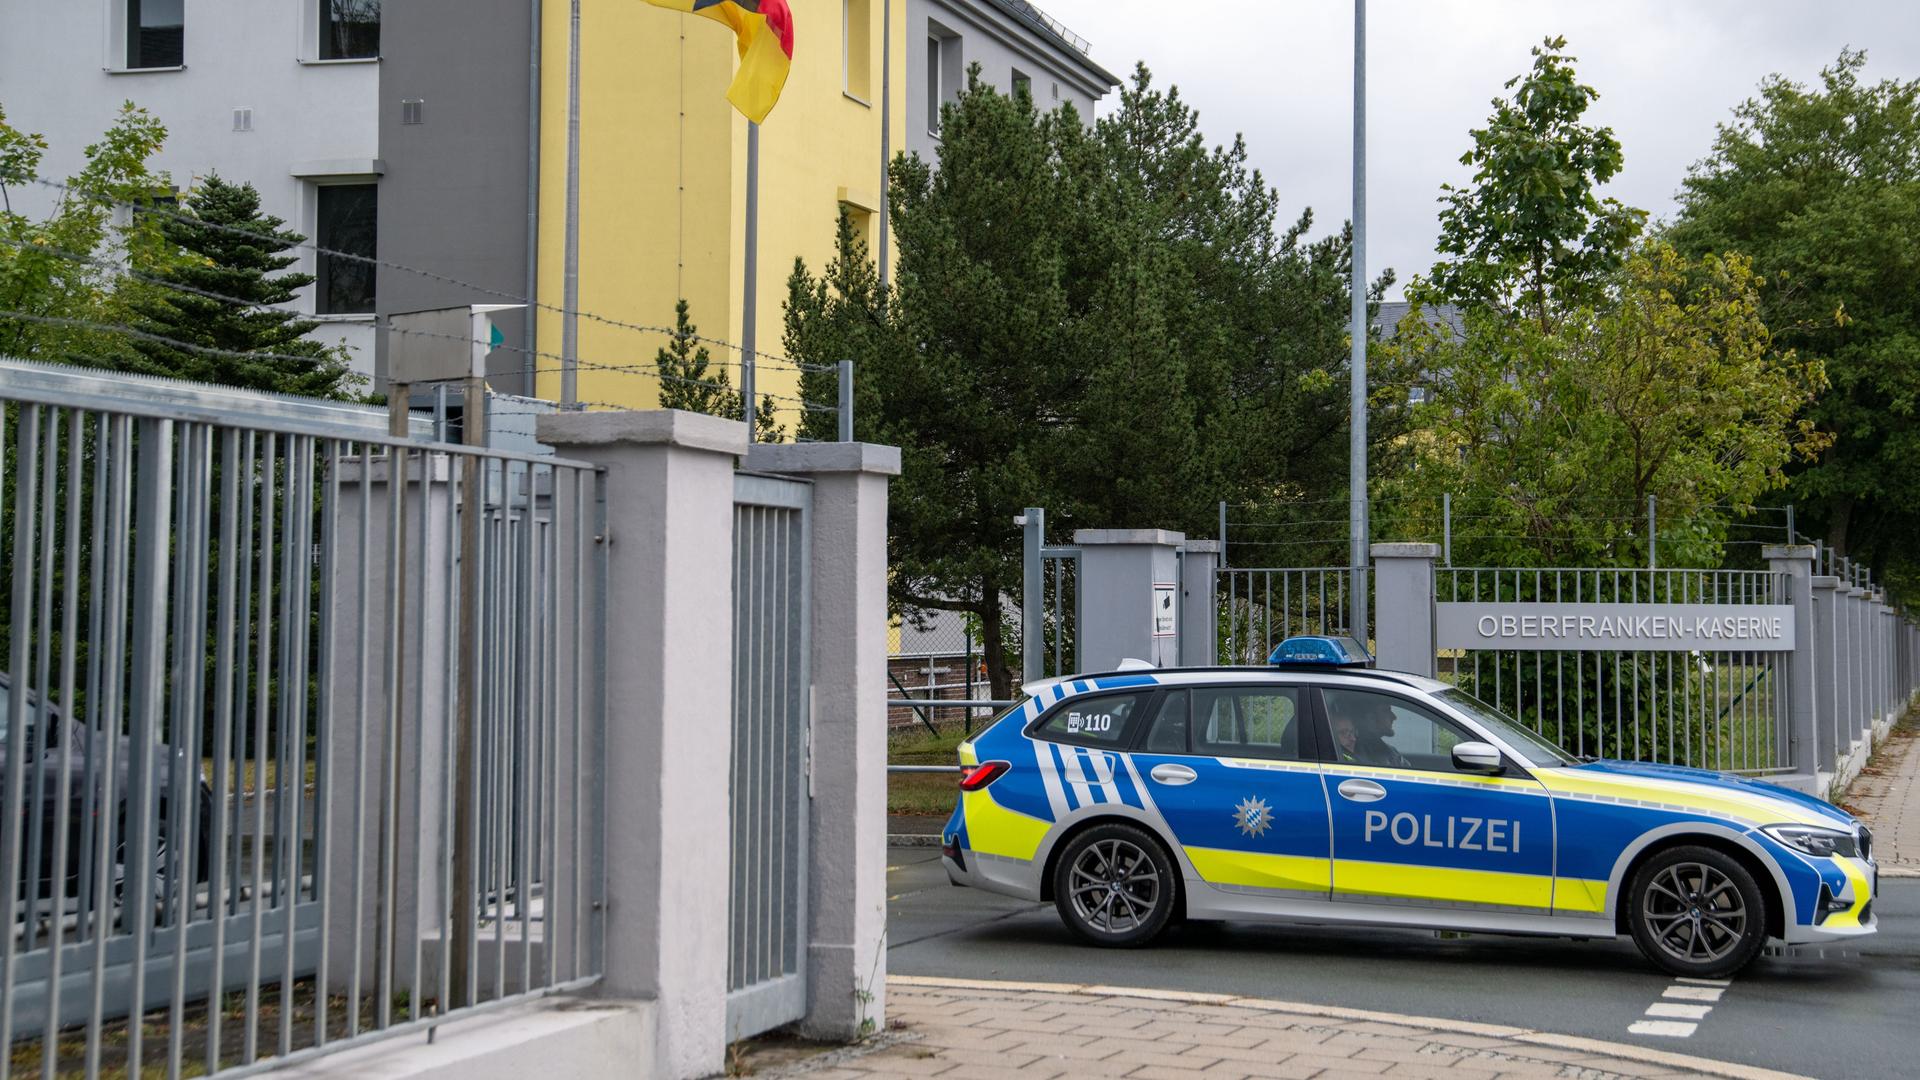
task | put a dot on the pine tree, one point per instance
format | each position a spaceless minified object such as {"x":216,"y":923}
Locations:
{"x":237,"y":254}
{"x":684,"y":383}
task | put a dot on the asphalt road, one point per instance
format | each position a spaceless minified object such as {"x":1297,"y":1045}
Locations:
{"x":1839,"y":1013}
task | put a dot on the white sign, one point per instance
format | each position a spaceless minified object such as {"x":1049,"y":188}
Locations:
{"x":1166,"y":603}
{"x":1625,"y":627}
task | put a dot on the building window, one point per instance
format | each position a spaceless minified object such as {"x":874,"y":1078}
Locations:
{"x":156,"y":33}
{"x":856,"y":39}
{"x":862,"y":221}
{"x":349,"y":29}
{"x":933,"y":86}
{"x":944,"y":74}
{"x":345,"y":223}
{"x":1022,"y":83}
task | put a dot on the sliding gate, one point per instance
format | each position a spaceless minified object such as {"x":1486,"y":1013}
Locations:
{"x":766,"y":940}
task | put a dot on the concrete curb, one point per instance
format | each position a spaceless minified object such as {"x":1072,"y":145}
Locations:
{"x":1621,"y":1051}
{"x":913,"y":839}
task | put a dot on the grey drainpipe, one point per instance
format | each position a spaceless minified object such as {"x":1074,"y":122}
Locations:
{"x":530,"y":333}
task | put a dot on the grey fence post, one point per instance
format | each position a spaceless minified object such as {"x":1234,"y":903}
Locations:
{"x":1798,"y":718}
{"x":1403,"y":607}
{"x":1033,"y":594}
{"x":1884,"y":635}
{"x":1826,"y":700}
{"x":357,"y":736}
{"x":1199,"y":604}
{"x":1846,"y":649}
{"x":668,"y":693}
{"x":847,"y":879}
{"x":1129,"y":589}
{"x":1860,"y":646}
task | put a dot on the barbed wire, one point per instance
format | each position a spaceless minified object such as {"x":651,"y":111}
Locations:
{"x":308,"y":244}
{"x":650,"y":369}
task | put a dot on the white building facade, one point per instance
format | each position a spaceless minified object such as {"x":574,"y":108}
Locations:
{"x":282,"y":94}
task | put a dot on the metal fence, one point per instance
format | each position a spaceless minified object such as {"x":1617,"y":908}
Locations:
{"x":1718,"y":710}
{"x":766,"y":941}
{"x":298,"y":733}
{"x":1261,"y":607}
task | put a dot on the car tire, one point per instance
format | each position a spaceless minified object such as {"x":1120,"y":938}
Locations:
{"x":1696,"y":912}
{"x":1115,"y":886}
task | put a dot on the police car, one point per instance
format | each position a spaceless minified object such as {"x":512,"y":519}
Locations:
{"x":1319,"y":789}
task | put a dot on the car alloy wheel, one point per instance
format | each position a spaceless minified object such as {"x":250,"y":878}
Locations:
{"x":1114,"y":886}
{"x":1697,"y":912}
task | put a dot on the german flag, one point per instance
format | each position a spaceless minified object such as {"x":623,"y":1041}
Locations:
{"x":763,"y":30}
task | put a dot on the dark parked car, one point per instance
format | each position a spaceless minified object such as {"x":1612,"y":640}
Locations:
{"x":48,"y":739}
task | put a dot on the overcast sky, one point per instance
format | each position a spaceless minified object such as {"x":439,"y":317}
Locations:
{"x":1282,"y":74}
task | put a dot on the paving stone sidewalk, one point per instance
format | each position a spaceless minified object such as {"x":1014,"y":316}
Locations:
{"x":1886,"y":795}
{"x":960,"y":1030}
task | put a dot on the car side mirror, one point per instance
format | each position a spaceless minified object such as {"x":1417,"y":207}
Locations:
{"x":1477,"y":757}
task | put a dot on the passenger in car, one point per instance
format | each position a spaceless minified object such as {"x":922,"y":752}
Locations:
{"x":1345,"y":740}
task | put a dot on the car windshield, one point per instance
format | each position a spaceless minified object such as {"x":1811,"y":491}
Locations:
{"x":1020,"y":697}
{"x":5,"y":706}
{"x":1536,"y":750}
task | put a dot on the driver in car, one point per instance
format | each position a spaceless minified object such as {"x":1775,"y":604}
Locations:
{"x":1374,"y":726}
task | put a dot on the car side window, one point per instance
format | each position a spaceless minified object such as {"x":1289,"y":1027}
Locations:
{"x":1389,"y":732}
{"x":1168,"y":734}
{"x":1248,"y":721}
{"x":1105,"y":720}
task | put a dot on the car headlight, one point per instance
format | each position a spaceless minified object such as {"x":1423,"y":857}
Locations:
{"x":1815,"y":841}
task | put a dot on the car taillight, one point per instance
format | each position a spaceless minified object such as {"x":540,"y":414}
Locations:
{"x":978,"y":776}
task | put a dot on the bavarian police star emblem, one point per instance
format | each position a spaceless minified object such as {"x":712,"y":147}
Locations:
{"x":1251,"y":816}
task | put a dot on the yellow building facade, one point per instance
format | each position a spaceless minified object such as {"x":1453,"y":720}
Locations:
{"x":663,"y":182}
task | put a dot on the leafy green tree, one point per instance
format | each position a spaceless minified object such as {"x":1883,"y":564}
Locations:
{"x":59,"y":271}
{"x":1820,"y":187}
{"x":223,"y":291}
{"x":1105,"y":322}
{"x":683,"y":364}
{"x":1530,"y":233}
{"x":1669,"y":386}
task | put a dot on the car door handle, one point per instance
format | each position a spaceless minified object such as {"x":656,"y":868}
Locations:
{"x":1173,"y":775}
{"x":1362,"y":791}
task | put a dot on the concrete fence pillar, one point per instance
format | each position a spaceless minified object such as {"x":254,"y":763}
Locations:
{"x":1820,"y":639}
{"x":1796,"y":719}
{"x":1403,"y":607}
{"x":847,"y":875}
{"x":668,"y":692}
{"x":1129,"y":597}
{"x":1199,"y":604}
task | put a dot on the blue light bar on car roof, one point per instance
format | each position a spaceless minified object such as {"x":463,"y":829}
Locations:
{"x":1321,"y":652}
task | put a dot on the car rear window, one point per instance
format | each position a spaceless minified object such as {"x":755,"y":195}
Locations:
{"x":1098,"y":720}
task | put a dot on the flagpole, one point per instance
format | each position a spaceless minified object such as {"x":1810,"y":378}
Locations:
{"x":1357,"y":392}
{"x":886,"y":128}
{"x":570,"y":300}
{"x":749,"y":291}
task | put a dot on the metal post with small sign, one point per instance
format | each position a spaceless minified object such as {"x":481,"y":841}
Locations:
{"x":449,"y":347}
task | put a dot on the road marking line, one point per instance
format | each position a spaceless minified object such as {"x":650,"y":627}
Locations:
{"x":1705,"y":982}
{"x":1693,"y":993}
{"x":1672,"y":1029}
{"x":1679,"y":1012}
